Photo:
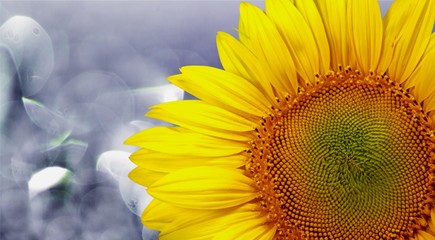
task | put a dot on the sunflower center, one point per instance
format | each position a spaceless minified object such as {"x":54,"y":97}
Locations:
{"x":348,"y":158}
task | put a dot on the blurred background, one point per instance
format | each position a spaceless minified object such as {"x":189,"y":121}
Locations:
{"x":76,"y":78}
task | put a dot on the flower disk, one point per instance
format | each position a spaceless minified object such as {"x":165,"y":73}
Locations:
{"x":347,"y":159}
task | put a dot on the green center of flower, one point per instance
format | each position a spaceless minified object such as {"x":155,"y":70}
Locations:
{"x":347,"y":159}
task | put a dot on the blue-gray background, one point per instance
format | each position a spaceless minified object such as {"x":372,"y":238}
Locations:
{"x":76,"y":78}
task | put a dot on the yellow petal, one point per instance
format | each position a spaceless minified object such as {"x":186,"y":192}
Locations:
{"x":162,"y":162}
{"x":312,"y":17}
{"x":265,"y":42}
{"x":179,"y":141}
{"x":145,"y":177}
{"x":333,"y":13}
{"x":297,"y":36}
{"x":407,"y":29}
{"x":423,"y":76}
{"x":207,"y":224}
{"x":243,"y":30}
{"x":238,"y":59}
{"x":423,"y":235}
{"x":203,"y":118}
{"x":204,"y":188}
{"x":364,"y":26}
{"x":222,"y":89}
{"x":429,"y":104}
{"x":158,"y":214}
{"x":254,"y":227}
{"x":193,"y":226}
{"x":431,"y":222}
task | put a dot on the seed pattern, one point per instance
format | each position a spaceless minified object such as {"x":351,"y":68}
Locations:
{"x":349,"y":158}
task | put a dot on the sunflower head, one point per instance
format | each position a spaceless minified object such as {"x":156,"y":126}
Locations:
{"x":334,"y":161}
{"x":320,"y":126}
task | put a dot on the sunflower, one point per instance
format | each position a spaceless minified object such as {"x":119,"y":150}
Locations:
{"x":321,"y":125}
